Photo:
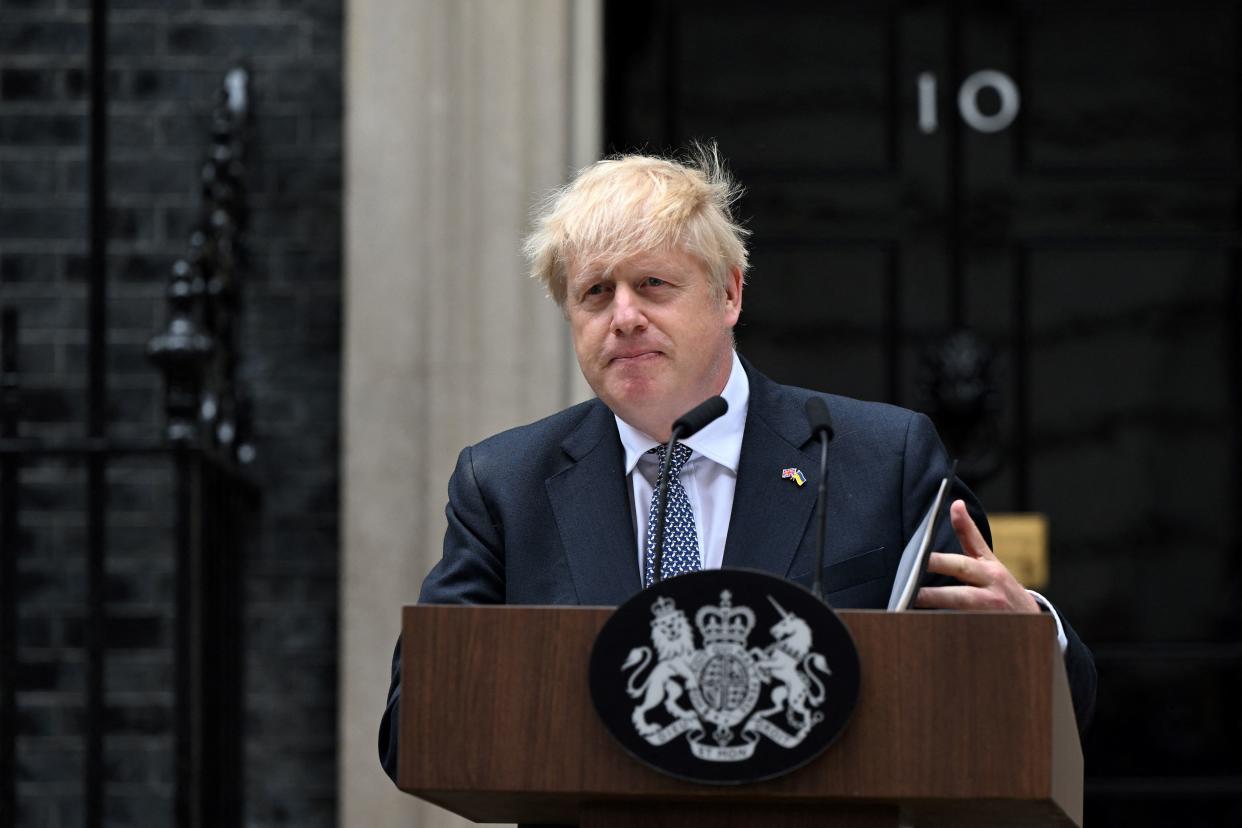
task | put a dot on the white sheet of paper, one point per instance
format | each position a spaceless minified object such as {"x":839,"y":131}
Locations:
{"x":910,"y":568}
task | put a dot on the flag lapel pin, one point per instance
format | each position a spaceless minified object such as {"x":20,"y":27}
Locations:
{"x":793,"y":474}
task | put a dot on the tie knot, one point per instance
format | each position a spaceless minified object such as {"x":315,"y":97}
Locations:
{"x":681,"y":453}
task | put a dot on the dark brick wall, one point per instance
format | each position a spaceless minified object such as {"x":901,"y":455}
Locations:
{"x":167,"y":58}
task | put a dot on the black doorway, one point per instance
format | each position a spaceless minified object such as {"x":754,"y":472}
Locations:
{"x":1075,"y":214}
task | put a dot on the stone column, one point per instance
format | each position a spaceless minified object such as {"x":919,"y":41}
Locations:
{"x":459,"y":114}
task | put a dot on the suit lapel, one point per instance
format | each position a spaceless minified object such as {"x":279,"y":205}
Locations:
{"x":592,"y":508}
{"x":770,"y":513}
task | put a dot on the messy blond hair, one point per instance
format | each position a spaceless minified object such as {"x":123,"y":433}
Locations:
{"x":630,"y":204}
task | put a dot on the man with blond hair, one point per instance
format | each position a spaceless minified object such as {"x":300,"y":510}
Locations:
{"x":644,"y":257}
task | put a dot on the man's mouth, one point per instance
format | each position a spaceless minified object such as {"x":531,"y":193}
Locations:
{"x":633,"y":357}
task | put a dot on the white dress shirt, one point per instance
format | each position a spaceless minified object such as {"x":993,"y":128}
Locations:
{"x":709,"y":476}
{"x":710,"y":479}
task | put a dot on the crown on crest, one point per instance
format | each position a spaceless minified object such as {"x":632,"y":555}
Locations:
{"x":724,"y":623}
{"x":662,"y":607}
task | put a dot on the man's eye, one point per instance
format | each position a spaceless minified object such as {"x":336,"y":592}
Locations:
{"x":655,"y":281}
{"x":595,"y":291}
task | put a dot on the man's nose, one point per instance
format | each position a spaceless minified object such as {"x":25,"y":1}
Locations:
{"x":627,"y":311}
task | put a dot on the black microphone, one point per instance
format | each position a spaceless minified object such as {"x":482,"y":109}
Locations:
{"x":821,"y":426}
{"x":818,"y":417}
{"x":696,"y":418}
{"x":686,"y":425}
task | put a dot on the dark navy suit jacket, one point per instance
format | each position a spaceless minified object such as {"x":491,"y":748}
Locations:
{"x":541,"y":514}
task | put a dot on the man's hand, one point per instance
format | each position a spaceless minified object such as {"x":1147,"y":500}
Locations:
{"x":985,"y":582}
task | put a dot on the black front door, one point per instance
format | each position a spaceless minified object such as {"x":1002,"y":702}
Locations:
{"x":1057,"y":184}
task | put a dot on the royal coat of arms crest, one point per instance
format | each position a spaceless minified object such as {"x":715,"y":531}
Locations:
{"x":712,"y":691}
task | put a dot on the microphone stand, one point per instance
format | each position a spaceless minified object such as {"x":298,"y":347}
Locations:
{"x":821,"y":506}
{"x":820,"y":419}
{"x":657,"y":543}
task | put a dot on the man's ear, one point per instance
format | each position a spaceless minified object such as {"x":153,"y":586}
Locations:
{"x":733,"y":294}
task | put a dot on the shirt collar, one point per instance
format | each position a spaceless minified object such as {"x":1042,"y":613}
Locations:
{"x":720,"y":441}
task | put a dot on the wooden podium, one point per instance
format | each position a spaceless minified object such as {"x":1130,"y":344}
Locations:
{"x":963,"y":719}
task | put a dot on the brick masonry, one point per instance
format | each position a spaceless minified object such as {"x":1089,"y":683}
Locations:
{"x":166,"y":59}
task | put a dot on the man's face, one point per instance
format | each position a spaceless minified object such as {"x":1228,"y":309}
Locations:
{"x":653,"y":337}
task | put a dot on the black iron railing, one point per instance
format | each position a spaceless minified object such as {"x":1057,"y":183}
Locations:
{"x":206,"y":442}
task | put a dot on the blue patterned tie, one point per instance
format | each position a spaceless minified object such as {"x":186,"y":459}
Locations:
{"x":681,"y":541}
